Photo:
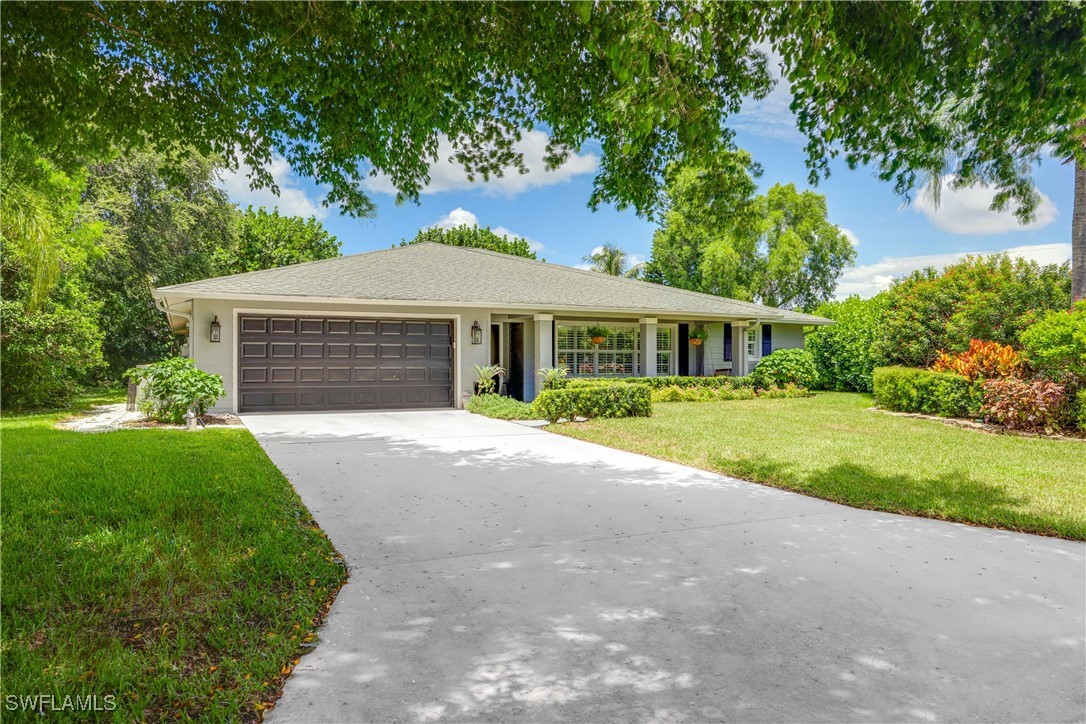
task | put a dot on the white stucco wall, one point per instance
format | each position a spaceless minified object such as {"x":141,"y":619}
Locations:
{"x":220,"y":358}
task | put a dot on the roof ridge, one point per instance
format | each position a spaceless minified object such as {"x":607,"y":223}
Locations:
{"x":597,"y":275}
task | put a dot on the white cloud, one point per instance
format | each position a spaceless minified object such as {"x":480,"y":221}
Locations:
{"x":447,"y":175}
{"x":968,"y":211}
{"x":851,"y":236}
{"x":462,"y":217}
{"x":291,"y":201}
{"x":770,"y":117}
{"x":870,"y":279}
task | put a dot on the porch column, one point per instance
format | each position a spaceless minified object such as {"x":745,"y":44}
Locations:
{"x":544,"y":346}
{"x":648,"y":347}
{"x":739,"y":349}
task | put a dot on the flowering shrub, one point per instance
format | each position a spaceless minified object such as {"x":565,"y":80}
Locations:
{"x":1037,"y":405}
{"x":983,"y":359}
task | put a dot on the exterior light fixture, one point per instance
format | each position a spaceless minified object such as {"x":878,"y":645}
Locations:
{"x":476,"y":333}
{"x":216,"y":329}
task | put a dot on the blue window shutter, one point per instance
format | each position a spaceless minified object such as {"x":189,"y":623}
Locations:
{"x":767,"y":340}
{"x":727,"y":343}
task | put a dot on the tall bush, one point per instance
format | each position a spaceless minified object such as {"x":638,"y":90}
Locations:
{"x":842,"y":351}
{"x":785,"y":367}
{"x":1056,"y":344}
{"x":990,"y":298}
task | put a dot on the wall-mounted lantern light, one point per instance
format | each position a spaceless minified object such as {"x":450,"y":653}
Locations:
{"x":216,"y":329}
{"x":476,"y":333}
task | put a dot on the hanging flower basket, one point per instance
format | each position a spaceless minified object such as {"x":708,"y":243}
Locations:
{"x":597,"y":335}
{"x":698,"y":336}
{"x":696,"y":341}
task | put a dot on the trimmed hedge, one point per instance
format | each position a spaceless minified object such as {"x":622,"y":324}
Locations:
{"x":907,"y":389}
{"x":656,"y":383}
{"x":499,"y":407}
{"x":614,"y":400}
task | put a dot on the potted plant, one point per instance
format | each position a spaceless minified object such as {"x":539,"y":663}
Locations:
{"x":698,"y":336}
{"x":597,"y":334}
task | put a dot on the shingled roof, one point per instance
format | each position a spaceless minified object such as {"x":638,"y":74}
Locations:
{"x":431,"y":272}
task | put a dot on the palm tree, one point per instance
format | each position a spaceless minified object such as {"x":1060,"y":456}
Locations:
{"x":612,"y":259}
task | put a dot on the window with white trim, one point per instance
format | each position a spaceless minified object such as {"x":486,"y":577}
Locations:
{"x":754,"y":343}
{"x":664,"y":356}
{"x":614,"y":357}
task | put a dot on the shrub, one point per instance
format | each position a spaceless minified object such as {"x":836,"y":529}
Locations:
{"x":656,"y":382}
{"x":500,"y":407}
{"x":1036,"y":405}
{"x":989,"y":360}
{"x":674,"y":393}
{"x":776,"y":393}
{"x":173,"y":387}
{"x":906,"y":389}
{"x":842,"y":351}
{"x":785,"y":366}
{"x":977,"y":298}
{"x":616,"y":400}
{"x":1078,"y":409}
{"x":1056,"y":344}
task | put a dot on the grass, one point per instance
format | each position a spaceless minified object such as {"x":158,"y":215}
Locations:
{"x":177,"y":572}
{"x":832,"y":446}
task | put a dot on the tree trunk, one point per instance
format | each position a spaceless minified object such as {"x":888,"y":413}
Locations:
{"x":1078,"y":234}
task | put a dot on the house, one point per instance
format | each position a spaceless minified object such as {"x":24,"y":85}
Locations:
{"x":403,"y":327}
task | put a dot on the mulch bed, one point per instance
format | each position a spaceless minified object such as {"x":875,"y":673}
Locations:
{"x":224,"y":420}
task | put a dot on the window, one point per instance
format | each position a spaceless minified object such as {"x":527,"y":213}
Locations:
{"x":614,"y":357}
{"x":663,"y":351}
{"x":617,"y":356}
{"x":754,"y":350}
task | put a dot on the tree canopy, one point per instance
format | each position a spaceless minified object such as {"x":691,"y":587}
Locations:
{"x":717,"y":237}
{"x":475,"y":237}
{"x":265,"y":240}
{"x":342,"y":90}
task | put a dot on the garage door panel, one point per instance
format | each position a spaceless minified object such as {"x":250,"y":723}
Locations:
{"x":297,"y":363}
{"x":338,"y":374}
{"x":254,"y":350}
{"x":282,"y":326}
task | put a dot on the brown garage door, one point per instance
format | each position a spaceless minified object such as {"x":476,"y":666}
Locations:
{"x":330,"y":363}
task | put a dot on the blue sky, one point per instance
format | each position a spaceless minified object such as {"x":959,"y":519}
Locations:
{"x":550,"y":208}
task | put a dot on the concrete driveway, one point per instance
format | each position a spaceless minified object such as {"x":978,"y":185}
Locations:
{"x":500,"y":573}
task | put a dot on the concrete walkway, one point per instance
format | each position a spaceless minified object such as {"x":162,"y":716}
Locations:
{"x":501,"y":573}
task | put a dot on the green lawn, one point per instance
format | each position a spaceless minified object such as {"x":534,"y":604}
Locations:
{"x":176,"y":571}
{"x":832,"y":446}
